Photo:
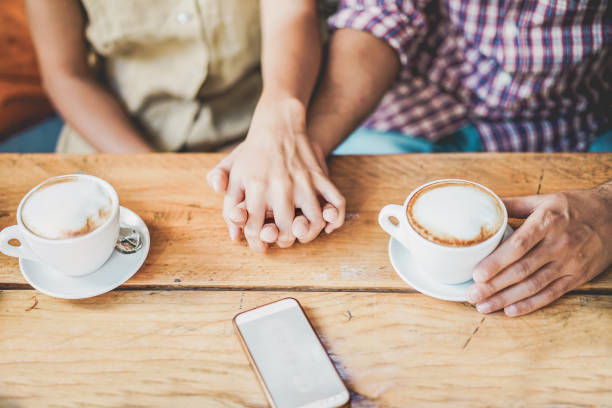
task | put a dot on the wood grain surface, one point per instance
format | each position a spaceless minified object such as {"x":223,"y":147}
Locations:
{"x":190,"y":245}
{"x":178,"y":349}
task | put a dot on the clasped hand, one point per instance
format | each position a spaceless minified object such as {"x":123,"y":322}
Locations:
{"x":276,"y":183}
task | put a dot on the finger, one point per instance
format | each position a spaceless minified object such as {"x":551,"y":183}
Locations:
{"x":546,"y":296}
{"x":514,"y":248}
{"x":529,"y":287}
{"x":330,"y":214}
{"x":300,"y":227}
{"x":269,"y":233}
{"x":284,"y":213}
{"x":332,"y":195}
{"x":318,"y":153}
{"x":217,"y":180}
{"x":517,"y":272}
{"x":238,"y":215}
{"x":234,"y":232}
{"x":232,"y":199}
{"x":312,"y":211}
{"x":522,"y":207}
{"x":256,"y":209}
{"x":218,"y":177}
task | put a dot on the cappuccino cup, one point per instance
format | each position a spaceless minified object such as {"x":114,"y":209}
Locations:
{"x":448,"y":226}
{"x":69,"y":223}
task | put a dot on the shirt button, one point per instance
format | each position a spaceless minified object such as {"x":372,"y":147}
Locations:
{"x":183,"y":17}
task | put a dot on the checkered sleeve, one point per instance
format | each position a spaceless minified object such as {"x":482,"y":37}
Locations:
{"x":397,"y":22}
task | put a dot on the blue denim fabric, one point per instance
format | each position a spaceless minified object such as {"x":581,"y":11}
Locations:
{"x":368,"y":141}
{"x":41,"y":138}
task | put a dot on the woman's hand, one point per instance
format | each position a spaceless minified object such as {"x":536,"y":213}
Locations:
{"x":275,"y":171}
{"x":565,"y":241}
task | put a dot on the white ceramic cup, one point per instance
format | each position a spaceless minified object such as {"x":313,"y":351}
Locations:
{"x":446,"y":264}
{"x":71,"y":256}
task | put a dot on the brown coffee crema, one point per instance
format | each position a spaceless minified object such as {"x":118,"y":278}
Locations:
{"x":91,"y":224}
{"x":448,"y":240}
{"x":100,"y":210}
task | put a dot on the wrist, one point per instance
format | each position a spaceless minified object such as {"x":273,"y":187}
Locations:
{"x":276,"y":95}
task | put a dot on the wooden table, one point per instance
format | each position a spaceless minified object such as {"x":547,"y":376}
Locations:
{"x":165,"y":337}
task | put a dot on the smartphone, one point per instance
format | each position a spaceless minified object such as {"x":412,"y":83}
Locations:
{"x":288,"y":358}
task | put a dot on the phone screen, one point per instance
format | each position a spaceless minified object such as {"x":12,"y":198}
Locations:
{"x":289,"y":357}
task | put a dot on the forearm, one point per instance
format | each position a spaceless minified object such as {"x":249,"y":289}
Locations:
{"x":291,"y":48}
{"x":96,"y":114}
{"x":57,"y":29}
{"x":360,"y":69}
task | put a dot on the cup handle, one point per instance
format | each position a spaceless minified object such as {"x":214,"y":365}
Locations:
{"x":21,"y":251}
{"x":395,"y":211}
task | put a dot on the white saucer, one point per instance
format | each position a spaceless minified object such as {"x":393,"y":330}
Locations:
{"x":402,"y":262}
{"x":118,"y":269}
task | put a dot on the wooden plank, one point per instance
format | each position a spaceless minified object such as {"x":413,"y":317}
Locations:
{"x":177,"y":348}
{"x":582,"y":171}
{"x":190,"y":245}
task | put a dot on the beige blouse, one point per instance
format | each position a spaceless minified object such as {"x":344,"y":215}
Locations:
{"x":187,"y":71}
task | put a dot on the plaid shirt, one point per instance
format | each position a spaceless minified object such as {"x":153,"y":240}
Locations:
{"x":530,"y":75}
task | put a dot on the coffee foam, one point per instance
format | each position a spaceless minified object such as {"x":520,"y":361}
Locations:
{"x":66,"y":207}
{"x":455,"y":213}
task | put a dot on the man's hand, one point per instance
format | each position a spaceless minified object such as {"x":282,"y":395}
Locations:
{"x":565,"y":241}
{"x":274,"y":171}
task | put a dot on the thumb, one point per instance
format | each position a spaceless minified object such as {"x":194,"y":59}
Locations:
{"x":218,"y":177}
{"x":318,"y":152}
{"x":522,"y":207}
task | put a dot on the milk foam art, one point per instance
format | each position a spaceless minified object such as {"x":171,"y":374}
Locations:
{"x":457,"y":211}
{"x":67,"y":208}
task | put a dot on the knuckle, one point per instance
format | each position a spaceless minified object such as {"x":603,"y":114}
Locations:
{"x":532,"y":286}
{"x":251,"y":233}
{"x":487,"y":289}
{"x":520,"y":243}
{"x":565,"y":240}
{"x":551,"y":219}
{"x":522,"y":270}
{"x":561,"y":200}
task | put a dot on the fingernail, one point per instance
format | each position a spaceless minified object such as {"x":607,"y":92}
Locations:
{"x":484,"y":307}
{"x":474,"y":295}
{"x":511,"y":311}
{"x":234,"y":232}
{"x":217,"y":185}
{"x":330,"y":214}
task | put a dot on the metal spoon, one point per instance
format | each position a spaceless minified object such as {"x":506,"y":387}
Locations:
{"x":129,"y":241}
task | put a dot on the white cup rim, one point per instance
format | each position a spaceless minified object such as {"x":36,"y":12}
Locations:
{"x":501,"y":230}
{"x":60,"y":241}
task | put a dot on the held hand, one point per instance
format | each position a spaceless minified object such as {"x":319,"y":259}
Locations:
{"x":276,"y":170}
{"x":565,"y":241}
